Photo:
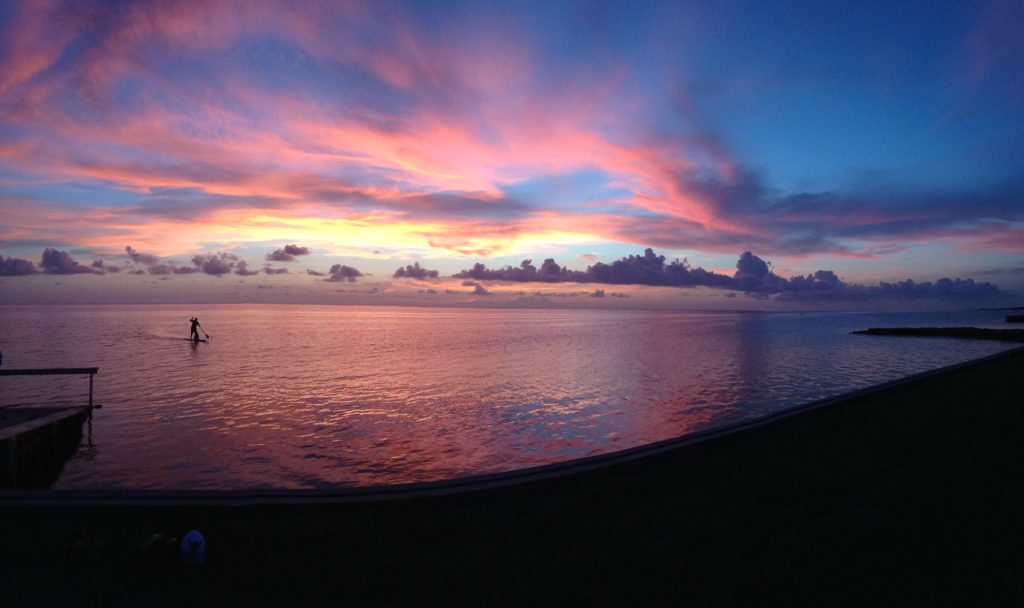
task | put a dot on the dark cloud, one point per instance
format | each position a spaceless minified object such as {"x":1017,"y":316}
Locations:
{"x":340,"y":273}
{"x":415,"y":271}
{"x":268,"y":269}
{"x":549,"y":272}
{"x":165,"y":269}
{"x":242,"y":269}
{"x":104,"y":267}
{"x":287,"y":254}
{"x":15,"y":267}
{"x":145,"y":259}
{"x":314,"y":273}
{"x":648,"y":269}
{"x":753,"y":277}
{"x":597,"y":293}
{"x":216,"y":264}
{"x":478,"y":289}
{"x":59,"y":262}
{"x":154,"y":265}
{"x":160,"y":269}
{"x":137,"y":271}
{"x":815,"y":288}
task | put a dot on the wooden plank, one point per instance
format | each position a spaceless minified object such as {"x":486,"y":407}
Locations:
{"x":53,"y":371}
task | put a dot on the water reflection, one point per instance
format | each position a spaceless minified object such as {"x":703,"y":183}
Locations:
{"x":345,"y":395}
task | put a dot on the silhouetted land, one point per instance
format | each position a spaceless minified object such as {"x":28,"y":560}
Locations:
{"x":973,"y":333}
{"x":910,"y":495}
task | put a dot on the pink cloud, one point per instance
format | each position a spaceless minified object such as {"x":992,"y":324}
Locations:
{"x":424,"y":159}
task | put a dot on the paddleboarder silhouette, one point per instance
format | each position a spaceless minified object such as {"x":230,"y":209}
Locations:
{"x":195,"y":331}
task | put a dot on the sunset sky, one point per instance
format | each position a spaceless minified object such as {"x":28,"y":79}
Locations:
{"x":304,"y":152}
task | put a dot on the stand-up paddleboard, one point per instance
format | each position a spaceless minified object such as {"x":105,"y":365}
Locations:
{"x":191,"y":340}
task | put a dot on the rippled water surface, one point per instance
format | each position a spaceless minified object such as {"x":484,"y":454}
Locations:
{"x":308,"y":396}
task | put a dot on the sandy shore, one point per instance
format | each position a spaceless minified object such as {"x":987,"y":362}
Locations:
{"x":908,"y":495}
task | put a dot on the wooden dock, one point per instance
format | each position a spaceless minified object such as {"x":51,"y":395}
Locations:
{"x":36,"y":440}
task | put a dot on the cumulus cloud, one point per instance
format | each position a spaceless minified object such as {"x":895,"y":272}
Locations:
{"x":287,"y":254}
{"x":549,"y":272}
{"x":753,"y":277}
{"x":14,"y":267}
{"x":145,"y":259}
{"x":813,"y":288}
{"x":216,"y":264}
{"x":478,"y":289}
{"x":648,"y":269}
{"x":242,"y":269}
{"x":102,"y":267}
{"x":59,"y":262}
{"x":268,"y":269}
{"x":415,"y":271}
{"x":154,"y":266}
{"x":339,"y":273}
{"x":314,"y":273}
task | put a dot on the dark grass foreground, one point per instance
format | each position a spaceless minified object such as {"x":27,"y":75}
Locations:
{"x":911,"y":496}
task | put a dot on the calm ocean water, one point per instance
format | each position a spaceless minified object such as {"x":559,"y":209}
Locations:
{"x":318,"y":396}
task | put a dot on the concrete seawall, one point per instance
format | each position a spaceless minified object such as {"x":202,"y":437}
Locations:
{"x":36,"y":442}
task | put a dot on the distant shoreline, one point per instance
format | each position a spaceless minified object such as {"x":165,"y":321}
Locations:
{"x":971,"y":333}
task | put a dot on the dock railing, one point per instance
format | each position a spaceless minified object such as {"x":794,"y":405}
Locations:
{"x":53,"y":371}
